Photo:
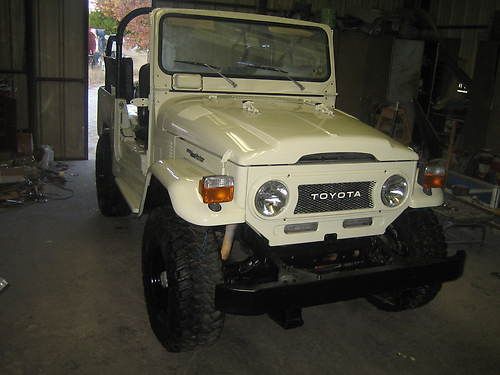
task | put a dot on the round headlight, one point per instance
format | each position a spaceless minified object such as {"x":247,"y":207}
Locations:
{"x":394,"y":191}
{"x":271,"y":198}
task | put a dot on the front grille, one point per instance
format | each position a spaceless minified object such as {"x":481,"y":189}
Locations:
{"x":334,"y":197}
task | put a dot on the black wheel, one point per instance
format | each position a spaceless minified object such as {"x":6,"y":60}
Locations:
{"x":181,"y":266}
{"x":419,"y":236}
{"x":109,"y":197}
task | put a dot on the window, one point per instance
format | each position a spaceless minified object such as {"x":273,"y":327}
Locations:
{"x":243,"y":48}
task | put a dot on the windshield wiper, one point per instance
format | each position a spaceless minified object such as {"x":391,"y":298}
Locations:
{"x":213,"y":68}
{"x":273,"y":69}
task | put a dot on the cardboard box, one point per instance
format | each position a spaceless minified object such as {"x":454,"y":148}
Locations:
{"x":12,"y":175}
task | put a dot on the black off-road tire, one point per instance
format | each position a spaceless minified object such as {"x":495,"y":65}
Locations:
{"x":421,"y":237}
{"x":181,"y":310}
{"x":109,"y":197}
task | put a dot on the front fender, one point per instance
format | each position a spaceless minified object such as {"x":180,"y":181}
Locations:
{"x":181,"y":179}
{"x":421,"y":200}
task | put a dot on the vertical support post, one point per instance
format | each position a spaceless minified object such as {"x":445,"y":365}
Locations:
{"x":451,"y":147}
{"x":262,"y":6}
{"x":86,"y":81}
{"x":433,"y":80}
{"x":29,"y":65}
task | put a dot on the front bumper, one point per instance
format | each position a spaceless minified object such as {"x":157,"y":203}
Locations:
{"x":310,"y":289}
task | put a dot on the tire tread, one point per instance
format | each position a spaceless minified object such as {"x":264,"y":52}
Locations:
{"x":193,"y":261}
{"x":423,"y":236}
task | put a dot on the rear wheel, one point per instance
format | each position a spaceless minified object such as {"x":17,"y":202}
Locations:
{"x":181,"y":267}
{"x":109,"y":196}
{"x":419,"y":236}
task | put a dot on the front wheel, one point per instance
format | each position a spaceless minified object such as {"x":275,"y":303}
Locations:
{"x":181,"y":267}
{"x":419,"y":236}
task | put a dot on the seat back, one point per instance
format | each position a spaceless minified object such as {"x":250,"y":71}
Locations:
{"x":126,"y":76}
{"x":143,"y":112}
{"x":144,"y":81}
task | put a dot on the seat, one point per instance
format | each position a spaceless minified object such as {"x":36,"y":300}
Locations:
{"x":126,"y":76}
{"x":144,"y":81}
{"x":143,"y":112}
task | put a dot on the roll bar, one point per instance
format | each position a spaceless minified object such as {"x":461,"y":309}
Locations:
{"x":120,"y":31}
{"x":118,"y":39}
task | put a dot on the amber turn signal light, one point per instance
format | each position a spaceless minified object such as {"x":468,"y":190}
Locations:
{"x":432,"y":181}
{"x":216,"y":189}
{"x":434,"y":176}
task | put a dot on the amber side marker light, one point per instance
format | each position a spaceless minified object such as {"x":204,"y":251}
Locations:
{"x":216,"y":189}
{"x":434,"y":176}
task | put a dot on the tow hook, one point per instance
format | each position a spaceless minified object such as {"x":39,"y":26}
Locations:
{"x":227,"y":243}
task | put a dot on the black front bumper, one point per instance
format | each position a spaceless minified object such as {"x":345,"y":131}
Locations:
{"x":310,"y":289}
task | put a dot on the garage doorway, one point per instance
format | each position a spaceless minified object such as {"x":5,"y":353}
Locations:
{"x":97,"y":38}
{"x":96,"y":46}
{"x":103,"y":20}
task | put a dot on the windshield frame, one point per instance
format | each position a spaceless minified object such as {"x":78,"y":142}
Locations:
{"x":328,"y":73}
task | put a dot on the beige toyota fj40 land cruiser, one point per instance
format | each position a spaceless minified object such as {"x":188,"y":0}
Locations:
{"x":261,"y":196}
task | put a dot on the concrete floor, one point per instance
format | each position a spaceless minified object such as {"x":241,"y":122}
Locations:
{"x":75,"y":305}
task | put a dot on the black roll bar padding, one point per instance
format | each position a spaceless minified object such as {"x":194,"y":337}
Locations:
{"x":120,"y":32}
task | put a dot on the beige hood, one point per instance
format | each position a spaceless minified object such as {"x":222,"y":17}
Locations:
{"x":273,"y":130}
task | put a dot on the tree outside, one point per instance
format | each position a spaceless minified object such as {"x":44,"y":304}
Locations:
{"x":108,"y":13}
{"x":98,"y":20}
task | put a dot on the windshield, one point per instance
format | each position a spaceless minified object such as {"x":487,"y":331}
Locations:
{"x":242,"y":48}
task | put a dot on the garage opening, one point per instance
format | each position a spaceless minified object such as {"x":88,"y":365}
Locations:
{"x":104,"y":16}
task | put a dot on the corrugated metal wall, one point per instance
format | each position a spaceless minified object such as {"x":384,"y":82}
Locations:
{"x":56,"y":64}
{"x":460,"y":12}
{"x":340,"y":6}
{"x":12,"y":55}
{"x":60,"y":34}
{"x":443,"y":12}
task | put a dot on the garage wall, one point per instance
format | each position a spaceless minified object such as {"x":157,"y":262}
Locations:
{"x":60,"y":45}
{"x":460,"y":12}
{"x":46,"y":59}
{"x":343,"y":6}
{"x":12,"y":55}
{"x":340,"y":6}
